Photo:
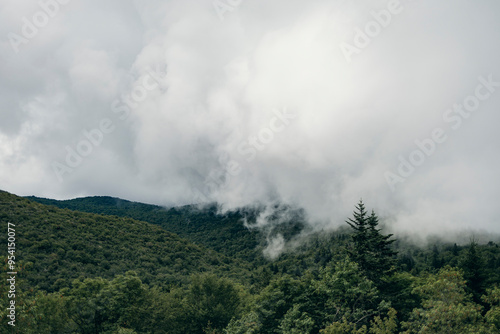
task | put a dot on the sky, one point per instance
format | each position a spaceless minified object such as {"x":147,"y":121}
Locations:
{"x":313,"y":104}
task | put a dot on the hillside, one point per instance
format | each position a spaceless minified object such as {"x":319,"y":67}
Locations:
{"x":226,"y":234}
{"x":82,"y":272}
{"x":58,"y":245}
{"x":223,"y":233}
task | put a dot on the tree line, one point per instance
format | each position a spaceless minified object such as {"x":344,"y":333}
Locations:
{"x":359,"y":280}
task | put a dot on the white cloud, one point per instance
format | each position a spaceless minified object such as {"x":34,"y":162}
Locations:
{"x":223,"y":81}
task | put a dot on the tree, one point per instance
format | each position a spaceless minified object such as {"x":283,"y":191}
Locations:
{"x":212,"y":302}
{"x":454,"y":250}
{"x":474,"y":271}
{"x":371,"y":249}
{"x":97,"y":305}
{"x":446,"y":307}
{"x":247,"y":324}
{"x":275,"y":300}
{"x":436,"y":261}
{"x":492,"y":297}
{"x":388,"y":325}
{"x":49,"y":315}
{"x":347,"y":294}
{"x":87,"y":305}
{"x":296,"y":322}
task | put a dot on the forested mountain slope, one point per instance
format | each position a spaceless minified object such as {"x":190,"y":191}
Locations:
{"x":223,"y":233}
{"x":57,"y":245}
{"x":88,"y":273}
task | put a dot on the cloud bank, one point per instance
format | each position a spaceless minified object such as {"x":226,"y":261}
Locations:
{"x":315,"y":104}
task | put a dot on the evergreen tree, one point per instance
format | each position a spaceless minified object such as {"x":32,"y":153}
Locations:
{"x":371,"y":249}
{"x":436,"y":261}
{"x":474,"y":271}
{"x":360,"y":236}
{"x":455,"y":250}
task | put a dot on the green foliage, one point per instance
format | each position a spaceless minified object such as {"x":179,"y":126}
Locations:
{"x":49,"y":314}
{"x":211,"y":302}
{"x":275,"y":301}
{"x":305,"y":305}
{"x":249,"y":323}
{"x":74,"y":275}
{"x":371,"y":249}
{"x":122,"y":330}
{"x":473,"y":268}
{"x":296,"y":322}
{"x":344,"y":327}
{"x":446,"y":308}
{"x":59,"y":246}
{"x":348,"y":293}
{"x":387,"y":325}
{"x":103,"y":306}
{"x":225,"y":234}
{"x":398,"y":290}
{"x":492,"y":298}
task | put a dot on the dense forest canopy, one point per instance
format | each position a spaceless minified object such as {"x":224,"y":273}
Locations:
{"x":104,"y":265}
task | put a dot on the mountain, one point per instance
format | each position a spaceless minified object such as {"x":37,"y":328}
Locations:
{"x":224,"y":233}
{"x":57,"y":245}
{"x":81,"y":272}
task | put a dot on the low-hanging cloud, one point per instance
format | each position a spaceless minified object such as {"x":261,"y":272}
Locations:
{"x":308,"y":103}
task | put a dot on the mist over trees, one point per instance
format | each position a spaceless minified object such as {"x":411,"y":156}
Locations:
{"x":90,"y":273}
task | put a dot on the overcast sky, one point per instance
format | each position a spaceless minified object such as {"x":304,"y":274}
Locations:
{"x":311,"y":103}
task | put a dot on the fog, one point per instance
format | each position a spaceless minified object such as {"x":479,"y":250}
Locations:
{"x":312,"y":104}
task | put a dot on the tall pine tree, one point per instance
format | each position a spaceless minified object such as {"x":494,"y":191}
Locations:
{"x":370,"y":248}
{"x":473,"y":267}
